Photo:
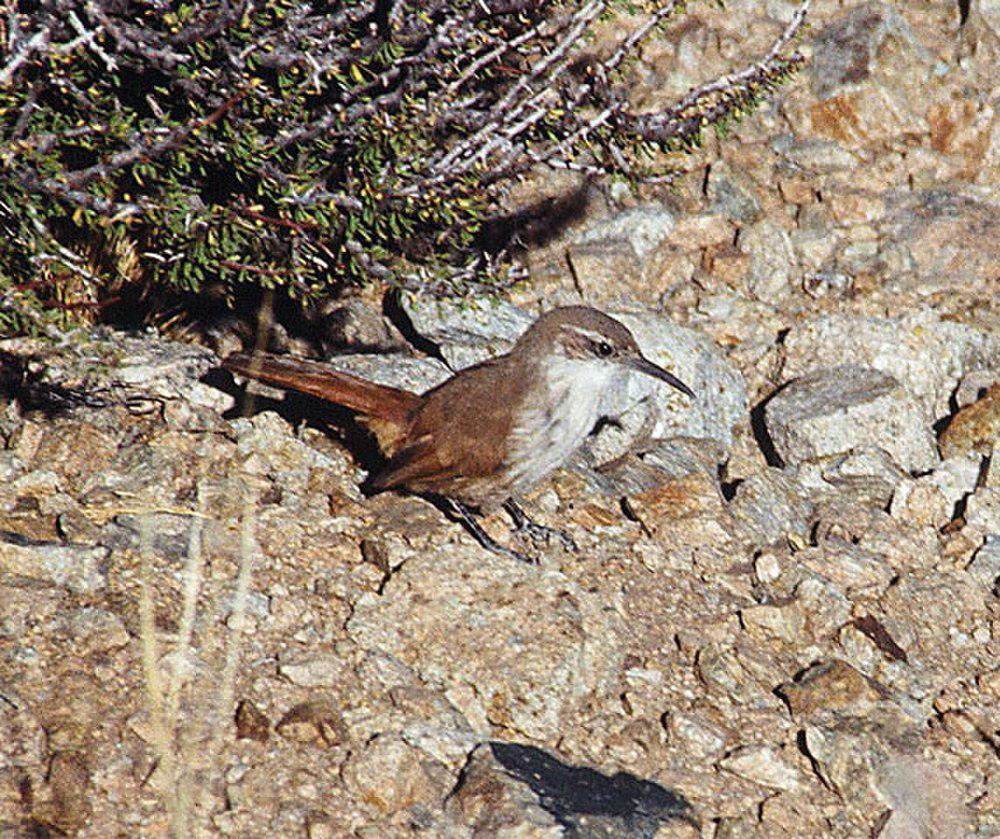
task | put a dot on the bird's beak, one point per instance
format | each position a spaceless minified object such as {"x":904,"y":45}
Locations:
{"x":644,"y":365}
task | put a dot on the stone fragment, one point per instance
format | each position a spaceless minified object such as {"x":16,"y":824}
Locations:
{"x":825,"y":607}
{"x":785,"y":623}
{"x":490,"y":801}
{"x":78,"y":568}
{"x":316,"y":721}
{"x":355,"y":324}
{"x":732,"y":194}
{"x":928,"y":356}
{"x":465,"y":332}
{"x":828,"y":686}
{"x":386,"y":774}
{"x":813,"y":154}
{"x":846,"y":50}
{"x":975,"y":428}
{"x":251,"y":722}
{"x":982,"y":509}
{"x":835,"y":410}
{"x":95,"y":630}
{"x":767,"y":566}
{"x":772,"y":261}
{"x":852,"y":568}
{"x":835,"y":756}
{"x":697,"y":733}
{"x":867,"y":473}
{"x":603,"y":269}
{"x":700,"y":231}
{"x":311,"y":670}
{"x":644,"y":228}
{"x":925,"y":800}
{"x":947,"y":239}
{"x":772,"y":505}
{"x":762,"y":765}
{"x":858,"y":59}
{"x":826,"y":284}
{"x":985,"y":565}
{"x":524,"y":655}
{"x":932,"y":499}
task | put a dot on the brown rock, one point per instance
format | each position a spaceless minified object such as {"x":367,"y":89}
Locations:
{"x":700,"y":231}
{"x":315,"y":722}
{"x":962,"y":127}
{"x":827,"y":686}
{"x":64,"y":804}
{"x":387,"y":775}
{"x":251,"y":722}
{"x":974,"y":428}
{"x":797,"y":189}
{"x":604,"y":269}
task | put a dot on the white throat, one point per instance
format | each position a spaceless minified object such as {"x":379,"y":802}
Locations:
{"x":548,"y":432}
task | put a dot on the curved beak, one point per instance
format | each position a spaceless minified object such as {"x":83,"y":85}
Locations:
{"x":644,"y":365}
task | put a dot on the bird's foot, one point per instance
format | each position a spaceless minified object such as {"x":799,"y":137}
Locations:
{"x":538,"y":532}
{"x":484,"y":538}
{"x":542,"y":533}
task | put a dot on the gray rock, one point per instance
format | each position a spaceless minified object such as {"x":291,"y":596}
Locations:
{"x":772,"y":261}
{"x":924,"y":799}
{"x":524,"y":656}
{"x":388,"y":773}
{"x":490,"y":801}
{"x":416,"y":374}
{"x":465,"y":331}
{"x":355,"y":324}
{"x":771,"y":505}
{"x":94,"y":630}
{"x":983,"y":509}
{"x":311,"y":670}
{"x":156,"y":372}
{"x":832,"y":411}
{"x":932,"y":498}
{"x":946,"y":239}
{"x":606,"y":269}
{"x":643,"y":228}
{"x":79,"y":568}
{"x":762,"y":765}
{"x":814,"y":155}
{"x":845,"y":51}
{"x":731,"y":195}
{"x":868,"y":474}
{"x":927,"y":355}
{"x":985,"y":565}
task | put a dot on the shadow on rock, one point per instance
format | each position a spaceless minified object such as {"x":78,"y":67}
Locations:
{"x":589,"y":803}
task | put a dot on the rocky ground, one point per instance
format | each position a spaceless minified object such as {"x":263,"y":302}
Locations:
{"x":784,"y":618}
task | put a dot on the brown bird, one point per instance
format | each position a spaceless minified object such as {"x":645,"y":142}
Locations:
{"x":493,"y":430}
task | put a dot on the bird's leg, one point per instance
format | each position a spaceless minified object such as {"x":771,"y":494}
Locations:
{"x":535,"y":531}
{"x":466,"y":516}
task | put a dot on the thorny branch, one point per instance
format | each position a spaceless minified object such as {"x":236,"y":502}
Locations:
{"x":371,"y":132}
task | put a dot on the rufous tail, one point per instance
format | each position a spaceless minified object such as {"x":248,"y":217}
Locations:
{"x":385,"y":410}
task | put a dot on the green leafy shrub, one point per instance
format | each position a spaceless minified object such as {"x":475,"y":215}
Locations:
{"x":278,"y":143}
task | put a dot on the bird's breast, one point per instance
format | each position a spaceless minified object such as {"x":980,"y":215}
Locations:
{"x":549,"y":429}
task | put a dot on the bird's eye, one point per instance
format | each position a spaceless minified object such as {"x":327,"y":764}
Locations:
{"x":604,"y":349}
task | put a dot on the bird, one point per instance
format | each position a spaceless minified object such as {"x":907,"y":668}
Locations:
{"x":493,"y":430}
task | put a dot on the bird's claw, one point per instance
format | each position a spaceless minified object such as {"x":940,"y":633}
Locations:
{"x":541,"y":533}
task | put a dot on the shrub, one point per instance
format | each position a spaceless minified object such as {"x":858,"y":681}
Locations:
{"x":308,"y":146}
